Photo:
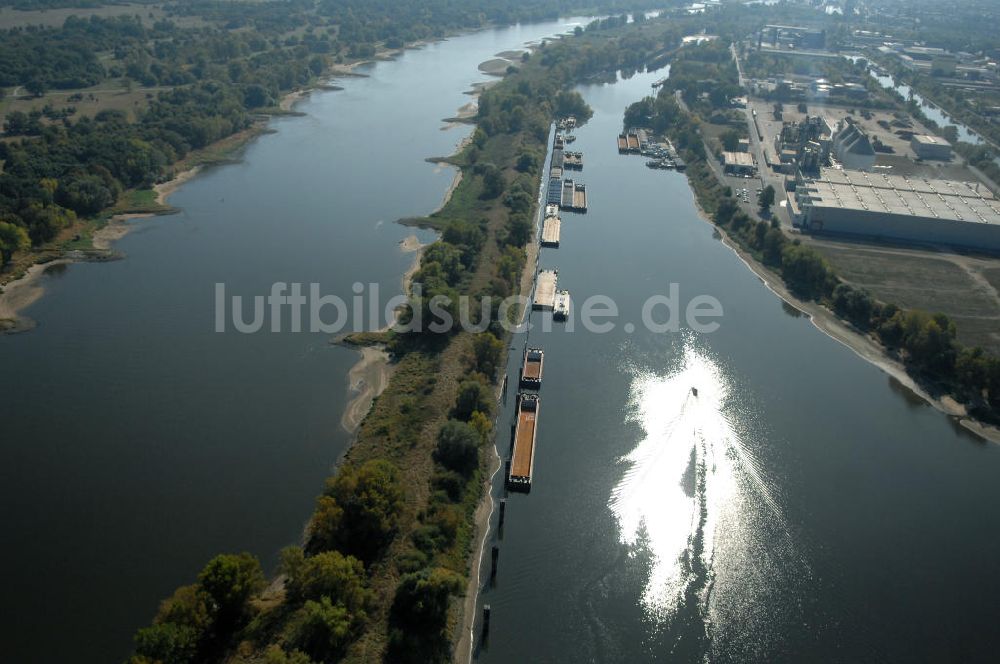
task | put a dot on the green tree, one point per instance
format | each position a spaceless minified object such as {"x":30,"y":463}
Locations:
{"x":730,"y":140}
{"x":327,"y":574}
{"x":804,"y":270}
{"x":458,"y":447}
{"x":527,"y":162}
{"x":275,"y":654}
{"x":766,"y":198}
{"x":420,"y":615}
{"x":493,"y":181}
{"x":488,"y":352}
{"x":360,"y":510}
{"x":36,"y":87}
{"x":230,"y":580}
{"x":85,"y":194}
{"x":12,"y":238}
{"x":167,"y":643}
{"x":473,"y":396}
{"x":519,"y":229}
{"x":321,"y":629}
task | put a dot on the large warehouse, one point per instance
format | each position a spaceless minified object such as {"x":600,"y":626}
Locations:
{"x":931,"y":147}
{"x":895,"y":207}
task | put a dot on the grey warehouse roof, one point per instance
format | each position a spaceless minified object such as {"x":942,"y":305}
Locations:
{"x":895,"y":194}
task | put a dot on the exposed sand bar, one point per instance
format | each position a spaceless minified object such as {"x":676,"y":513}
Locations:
{"x":366,"y":380}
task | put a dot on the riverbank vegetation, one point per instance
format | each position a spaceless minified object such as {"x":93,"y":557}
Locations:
{"x":925,"y":342}
{"x":386,"y":554}
{"x":101,"y":105}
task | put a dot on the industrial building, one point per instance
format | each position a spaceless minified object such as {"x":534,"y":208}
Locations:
{"x":931,"y":147}
{"x":803,"y":145}
{"x":793,"y":36}
{"x":894,"y":207}
{"x":852,"y":147}
{"x":737,"y":163}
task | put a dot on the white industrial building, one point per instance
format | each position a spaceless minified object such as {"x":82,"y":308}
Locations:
{"x":931,"y":147}
{"x":895,"y":207}
{"x":852,"y":147}
{"x":738,"y":163}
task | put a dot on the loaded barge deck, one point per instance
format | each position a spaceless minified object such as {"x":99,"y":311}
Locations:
{"x":545,"y":290}
{"x":574,"y":196}
{"x":550,"y":231}
{"x":522,"y":461}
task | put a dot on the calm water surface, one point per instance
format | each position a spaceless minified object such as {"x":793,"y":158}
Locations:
{"x":801,"y":507}
{"x":136,"y":442}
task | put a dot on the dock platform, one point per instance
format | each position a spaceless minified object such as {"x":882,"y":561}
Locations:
{"x":531,"y":368}
{"x":545,"y":290}
{"x":522,"y":461}
{"x":550,"y":231}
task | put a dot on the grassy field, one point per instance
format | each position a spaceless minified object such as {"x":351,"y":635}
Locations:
{"x":109,"y":95}
{"x":965,"y":288}
{"x":149,"y":13}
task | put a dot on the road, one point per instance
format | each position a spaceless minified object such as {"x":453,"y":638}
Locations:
{"x":766,"y":175}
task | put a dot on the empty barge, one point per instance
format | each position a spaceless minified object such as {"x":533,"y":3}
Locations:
{"x":531,"y":369}
{"x":522,"y":460}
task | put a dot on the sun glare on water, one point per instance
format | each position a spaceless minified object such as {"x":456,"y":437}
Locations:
{"x":682,"y":486}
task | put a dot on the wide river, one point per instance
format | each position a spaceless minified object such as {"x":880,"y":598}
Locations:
{"x":136,"y":442}
{"x":800,"y":507}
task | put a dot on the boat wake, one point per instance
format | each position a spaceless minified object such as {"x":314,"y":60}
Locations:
{"x":691,"y":490}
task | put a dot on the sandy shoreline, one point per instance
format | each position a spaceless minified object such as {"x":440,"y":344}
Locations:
{"x":862,"y":345}
{"x":369,"y":377}
{"x":366,"y":379}
{"x":24,"y":291}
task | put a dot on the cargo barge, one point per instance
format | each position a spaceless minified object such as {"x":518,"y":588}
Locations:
{"x":545,"y":290}
{"x":550,"y":231}
{"x":522,"y":460}
{"x":531,"y":368}
{"x":554,"y":194}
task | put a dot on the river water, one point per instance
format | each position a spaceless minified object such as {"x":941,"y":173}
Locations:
{"x":136,"y":441}
{"x":801,"y":507}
